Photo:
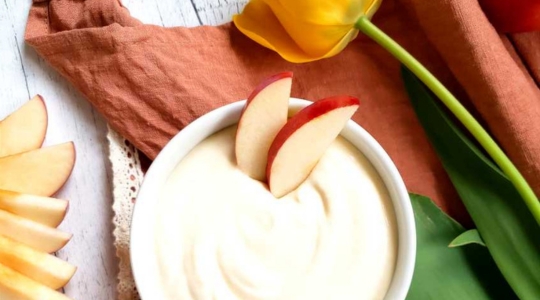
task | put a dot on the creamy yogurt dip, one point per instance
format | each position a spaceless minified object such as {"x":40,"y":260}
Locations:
{"x":222,"y":235}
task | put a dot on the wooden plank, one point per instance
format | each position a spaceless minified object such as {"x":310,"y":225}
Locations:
{"x":217,"y":12}
{"x":166,"y":13}
{"x":12,"y":76}
{"x":178,"y":13}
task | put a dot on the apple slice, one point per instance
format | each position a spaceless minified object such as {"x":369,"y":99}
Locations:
{"x":33,"y":234}
{"x":44,"y":210}
{"x":24,"y":129}
{"x":39,"y":266}
{"x":15,"y":286}
{"x":303,"y":140}
{"x":39,"y":172}
{"x":264,"y":115}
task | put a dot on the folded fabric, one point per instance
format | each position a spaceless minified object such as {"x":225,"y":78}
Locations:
{"x":149,"y":81}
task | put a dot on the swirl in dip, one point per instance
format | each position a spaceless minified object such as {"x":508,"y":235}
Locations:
{"x":222,"y":235}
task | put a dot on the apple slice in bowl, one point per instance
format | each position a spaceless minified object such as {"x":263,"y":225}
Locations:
{"x":303,"y":140}
{"x":263,"y":116}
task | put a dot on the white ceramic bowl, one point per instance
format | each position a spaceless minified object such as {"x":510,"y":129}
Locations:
{"x":143,"y":255}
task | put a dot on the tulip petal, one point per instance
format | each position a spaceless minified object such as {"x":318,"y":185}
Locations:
{"x":314,"y":39}
{"x":349,"y":37}
{"x":259,"y":23}
{"x":327,"y":12}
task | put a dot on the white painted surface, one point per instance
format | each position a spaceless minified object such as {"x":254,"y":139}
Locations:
{"x":23,"y":74}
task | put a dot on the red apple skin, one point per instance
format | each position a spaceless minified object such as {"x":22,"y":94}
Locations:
{"x":301,"y":118}
{"x":513,"y":16}
{"x":268,"y":81}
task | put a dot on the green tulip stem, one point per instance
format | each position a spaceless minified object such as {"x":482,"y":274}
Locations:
{"x":479,"y":133}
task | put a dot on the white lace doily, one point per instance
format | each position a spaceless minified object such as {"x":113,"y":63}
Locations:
{"x":127,"y":179}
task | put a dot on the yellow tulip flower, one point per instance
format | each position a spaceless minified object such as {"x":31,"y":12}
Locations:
{"x":304,"y":30}
{"x":308,"y":30}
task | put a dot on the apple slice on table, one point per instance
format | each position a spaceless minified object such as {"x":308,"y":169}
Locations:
{"x":15,"y":286}
{"x":264,"y":115}
{"x":33,"y":234}
{"x":303,"y":140}
{"x":39,"y":172}
{"x":24,"y":129}
{"x":40,"y":266}
{"x":44,"y":210}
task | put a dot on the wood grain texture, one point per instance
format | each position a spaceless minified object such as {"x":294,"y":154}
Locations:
{"x":24,"y":74}
{"x":217,"y":12}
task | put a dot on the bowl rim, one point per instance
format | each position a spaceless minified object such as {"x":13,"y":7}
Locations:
{"x":142,"y":253}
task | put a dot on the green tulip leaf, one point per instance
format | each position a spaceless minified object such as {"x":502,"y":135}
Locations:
{"x":467,"y":238}
{"x":506,"y":225}
{"x":444,"y":273}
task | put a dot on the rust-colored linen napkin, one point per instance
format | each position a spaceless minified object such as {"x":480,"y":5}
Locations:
{"x":149,"y":81}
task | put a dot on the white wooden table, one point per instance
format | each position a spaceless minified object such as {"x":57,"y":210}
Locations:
{"x":24,"y":74}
